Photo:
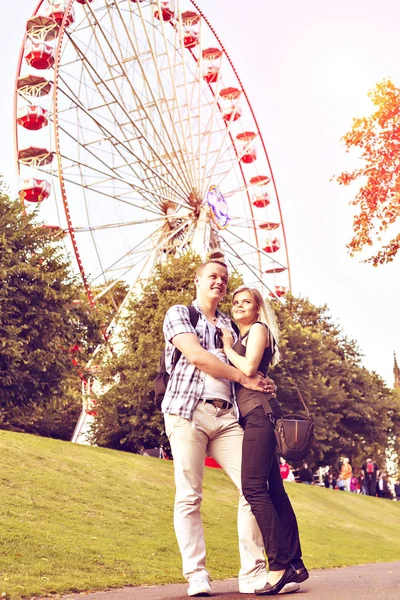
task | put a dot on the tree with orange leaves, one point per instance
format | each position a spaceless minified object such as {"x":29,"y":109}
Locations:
{"x":378,"y":198}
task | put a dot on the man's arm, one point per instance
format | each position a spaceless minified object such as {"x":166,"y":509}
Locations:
{"x":189,"y":345}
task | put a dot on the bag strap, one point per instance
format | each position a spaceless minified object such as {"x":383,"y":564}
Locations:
{"x":194,"y":319}
{"x":274,"y":345}
{"x":296,"y":386}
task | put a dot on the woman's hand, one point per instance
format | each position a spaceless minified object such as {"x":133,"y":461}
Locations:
{"x":227,"y":338}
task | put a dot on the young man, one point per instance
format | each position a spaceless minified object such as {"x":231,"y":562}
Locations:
{"x":201,"y":417}
{"x":370,"y":473}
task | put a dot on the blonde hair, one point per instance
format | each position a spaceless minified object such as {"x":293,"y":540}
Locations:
{"x":266,"y":315}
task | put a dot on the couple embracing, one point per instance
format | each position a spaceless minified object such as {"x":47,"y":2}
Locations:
{"x":220,"y":403}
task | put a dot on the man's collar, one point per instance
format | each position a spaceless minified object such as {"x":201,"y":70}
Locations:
{"x":200,"y":310}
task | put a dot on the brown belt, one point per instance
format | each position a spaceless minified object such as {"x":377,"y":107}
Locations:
{"x":220,"y":403}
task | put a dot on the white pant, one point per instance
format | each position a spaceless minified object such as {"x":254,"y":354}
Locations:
{"x":215,"y":432}
{"x":347,"y":484}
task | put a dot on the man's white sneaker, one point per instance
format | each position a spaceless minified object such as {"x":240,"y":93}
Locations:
{"x":199,"y":584}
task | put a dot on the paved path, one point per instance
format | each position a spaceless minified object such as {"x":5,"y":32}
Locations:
{"x":379,"y":581}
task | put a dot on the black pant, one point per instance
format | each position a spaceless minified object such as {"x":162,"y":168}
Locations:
{"x":263,"y":489}
{"x":370,"y":486}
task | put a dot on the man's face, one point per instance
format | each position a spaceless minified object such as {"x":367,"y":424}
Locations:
{"x":212,"y":282}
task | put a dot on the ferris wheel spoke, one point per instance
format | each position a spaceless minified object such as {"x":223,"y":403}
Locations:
{"x":120,"y":197}
{"x":249,"y":244}
{"x":116,"y":145}
{"x":189,"y":94}
{"x":208,"y":176}
{"x":210,"y":155}
{"x":172,"y":66}
{"x":115,"y":142}
{"x":147,"y":168}
{"x":123,"y":224}
{"x":146,"y":208}
{"x":172,"y":155}
{"x":123,"y":73}
{"x":176,"y":149}
{"x":231,"y":163}
{"x":239,"y":259}
{"x":138,"y":249}
{"x":150,"y":196}
{"x":256,"y":274}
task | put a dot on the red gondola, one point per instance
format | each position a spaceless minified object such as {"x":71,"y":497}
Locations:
{"x":269,"y":226}
{"x":32,"y":117}
{"x":260,"y":180}
{"x":34,"y":190}
{"x":56,"y":10}
{"x":213,"y":58}
{"x":39,"y":55}
{"x":167,"y":12}
{"x":261,"y":200}
{"x":272,"y":245}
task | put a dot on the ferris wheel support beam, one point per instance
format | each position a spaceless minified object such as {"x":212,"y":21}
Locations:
{"x":82,"y":432}
{"x":205,"y":240}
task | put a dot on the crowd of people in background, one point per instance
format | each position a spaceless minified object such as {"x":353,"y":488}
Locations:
{"x":369,"y":480}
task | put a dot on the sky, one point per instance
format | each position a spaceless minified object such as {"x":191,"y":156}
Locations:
{"x":307,"y":68}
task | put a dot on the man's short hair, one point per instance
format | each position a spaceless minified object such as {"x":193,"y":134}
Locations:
{"x":201,"y":268}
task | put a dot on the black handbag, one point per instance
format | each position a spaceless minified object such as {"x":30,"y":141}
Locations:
{"x":294,"y":433}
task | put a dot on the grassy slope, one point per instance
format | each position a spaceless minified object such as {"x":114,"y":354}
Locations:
{"x":75,"y":518}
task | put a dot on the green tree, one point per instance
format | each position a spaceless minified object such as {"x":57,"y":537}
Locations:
{"x":377,"y":137}
{"x":46,"y":336}
{"x":354,"y":411}
{"x":127,"y":416}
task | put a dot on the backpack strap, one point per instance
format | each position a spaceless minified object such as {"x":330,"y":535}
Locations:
{"x":194,"y":319}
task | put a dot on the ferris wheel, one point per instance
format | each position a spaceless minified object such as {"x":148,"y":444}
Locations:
{"x":135,"y":137}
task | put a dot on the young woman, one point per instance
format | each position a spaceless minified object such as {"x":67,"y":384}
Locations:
{"x":262,"y":484}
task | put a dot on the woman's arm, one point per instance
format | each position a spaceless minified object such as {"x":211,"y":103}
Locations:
{"x":189,"y":345}
{"x":257,"y":341}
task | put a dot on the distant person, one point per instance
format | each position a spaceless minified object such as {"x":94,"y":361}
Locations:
{"x":305,"y":475}
{"x":328,"y":480}
{"x":285,"y":469}
{"x":362,"y":483}
{"x":370,"y":473}
{"x":383,"y":487}
{"x":354,"y":485}
{"x":397,"y":490}
{"x":346,"y":473}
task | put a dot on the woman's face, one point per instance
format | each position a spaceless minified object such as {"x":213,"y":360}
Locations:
{"x":244,"y":309}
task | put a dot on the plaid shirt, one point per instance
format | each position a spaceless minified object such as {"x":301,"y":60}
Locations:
{"x":186,"y":383}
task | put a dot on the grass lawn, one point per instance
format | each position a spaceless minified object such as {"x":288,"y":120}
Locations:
{"x":76,"y":518}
